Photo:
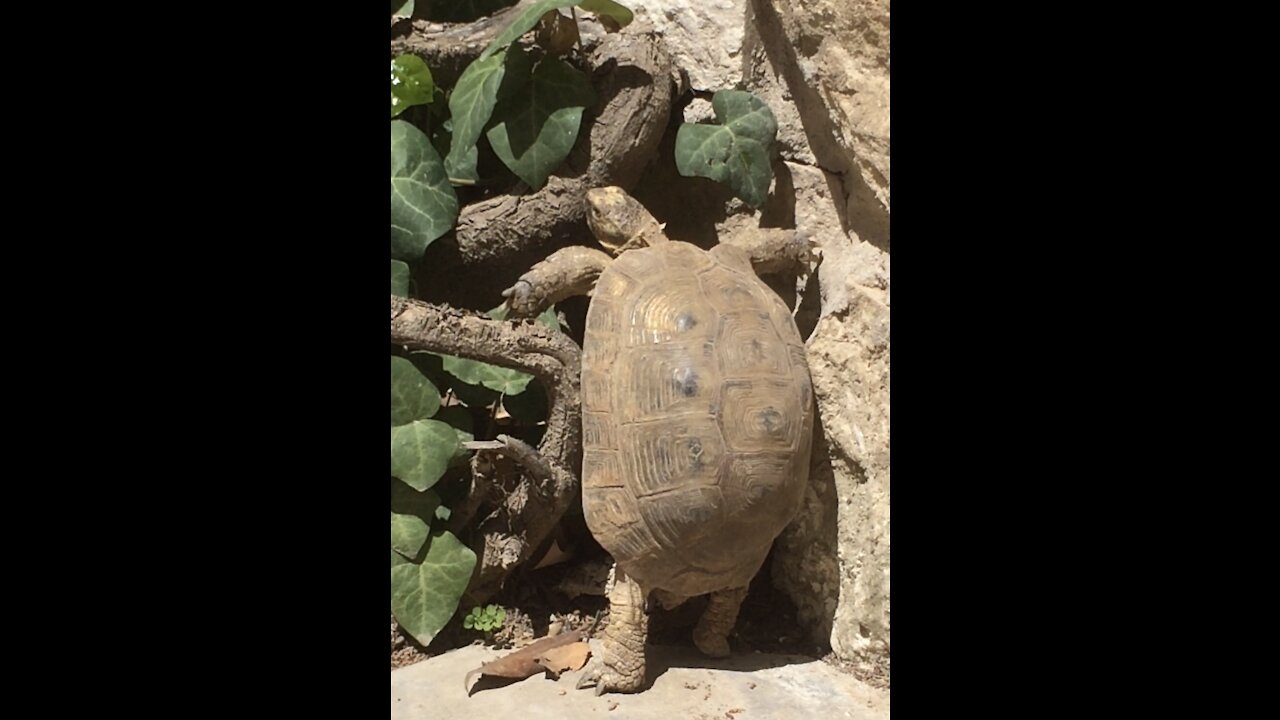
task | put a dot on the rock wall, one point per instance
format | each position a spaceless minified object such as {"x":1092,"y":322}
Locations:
{"x":823,"y":68}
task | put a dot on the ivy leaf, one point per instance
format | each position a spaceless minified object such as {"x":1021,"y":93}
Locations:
{"x":532,"y":14}
{"x":397,"y":559}
{"x":421,"y":452}
{"x":407,"y":501}
{"x":408,"y":534}
{"x":474,"y":372}
{"x":471,"y":106}
{"x":425,"y":595}
{"x":476,"y":92}
{"x":493,"y":377}
{"x":413,"y":397}
{"x":423,"y":204}
{"x":538,"y":121}
{"x":620,"y":15}
{"x":459,"y":418}
{"x":401,"y":8}
{"x":411,"y":83}
{"x":525,"y":22}
{"x":399,"y":278}
{"x":736,"y":152}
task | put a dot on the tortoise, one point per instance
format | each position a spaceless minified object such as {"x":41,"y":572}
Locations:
{"x":697,"y":416}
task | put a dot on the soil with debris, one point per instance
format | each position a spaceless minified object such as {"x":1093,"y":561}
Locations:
{"x":535,"y":605}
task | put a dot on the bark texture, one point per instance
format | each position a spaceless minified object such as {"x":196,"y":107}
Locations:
{"x":497,"y":238}
{"x":524,"y":517}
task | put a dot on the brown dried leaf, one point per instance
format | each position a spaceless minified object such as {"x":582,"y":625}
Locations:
{"x":523,"y":662}
{"x":565,"y":657}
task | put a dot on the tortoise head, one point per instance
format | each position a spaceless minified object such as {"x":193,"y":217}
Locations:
{"x":617,"y":220}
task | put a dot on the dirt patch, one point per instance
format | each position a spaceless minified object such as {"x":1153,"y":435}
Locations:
{"x":535,"y":605}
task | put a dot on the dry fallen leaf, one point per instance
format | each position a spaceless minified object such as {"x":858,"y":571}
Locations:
{"x":565,"y":657}
{"x":523,"y":662}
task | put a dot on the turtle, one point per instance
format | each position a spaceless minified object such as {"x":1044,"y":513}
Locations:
{"x":697,"y":417}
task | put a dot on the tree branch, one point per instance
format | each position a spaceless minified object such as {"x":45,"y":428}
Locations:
{"x":509,"y":536}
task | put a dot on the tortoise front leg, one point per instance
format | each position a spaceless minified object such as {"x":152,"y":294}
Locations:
{"x":774,"y":250}
{"x":711,"y":635}
{"x":566,"y":272}
{"x":621,"y":666}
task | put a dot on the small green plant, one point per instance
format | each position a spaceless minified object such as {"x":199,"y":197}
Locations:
{"x":486,"y":619}
{"x":734,"y":152}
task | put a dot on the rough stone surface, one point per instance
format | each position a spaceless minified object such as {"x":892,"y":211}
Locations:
{"x":704,"y":37}
{"x":849,"y":360}
{"x":823,"y":67}
{"x":834,"y":559}
{"x":684,"y":684}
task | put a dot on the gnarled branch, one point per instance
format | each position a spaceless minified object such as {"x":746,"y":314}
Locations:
{"x":509,"y":536}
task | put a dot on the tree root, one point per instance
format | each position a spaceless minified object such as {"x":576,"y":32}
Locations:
{"x":499,"y":237}
{"x":448,"y":48}
{"x":530,"y":505}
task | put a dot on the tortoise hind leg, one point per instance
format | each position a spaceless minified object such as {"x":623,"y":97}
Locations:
{"x":566,"y":272}
{"x":621,"y":665}
{"x":712,"y":632}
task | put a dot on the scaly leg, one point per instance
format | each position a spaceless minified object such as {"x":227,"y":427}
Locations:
{"x":712,"y":632}
{"x":774,"y":250}
{"x":566,"y":272}
{"x":620,"y":667}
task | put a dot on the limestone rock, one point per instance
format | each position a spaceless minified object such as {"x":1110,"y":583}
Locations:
{"x":834,"y":560}
{"x":823,"y":68}
{"x":704,"y":38}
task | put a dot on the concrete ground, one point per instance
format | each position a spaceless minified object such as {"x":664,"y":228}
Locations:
{"x":683,"y":684}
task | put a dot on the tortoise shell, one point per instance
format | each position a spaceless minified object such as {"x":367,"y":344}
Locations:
{"x":697,"y":417}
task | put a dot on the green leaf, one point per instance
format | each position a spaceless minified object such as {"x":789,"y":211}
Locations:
{"x":397,"y":558}
{"x":537,"y":123}
{"x":524,"y":22}
{"x":411,"y":83}
{"x":401,"y":8}
{"x":493,"y":377}
{"x":423,"y":204}
{"x":471,"y":106}
{"x":532,"y":14}
{"x":736,"y":152}
{"x":424,"y":596}
{"x":474,"y":372}
{"x":408,"y":534}
{"x":413,"y":397}
{"x":399,"y":278}
{"x":421,"y":452}
{"x":608,"y":8}
{"x":459,"y":418}
{"x":407,"y":501}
